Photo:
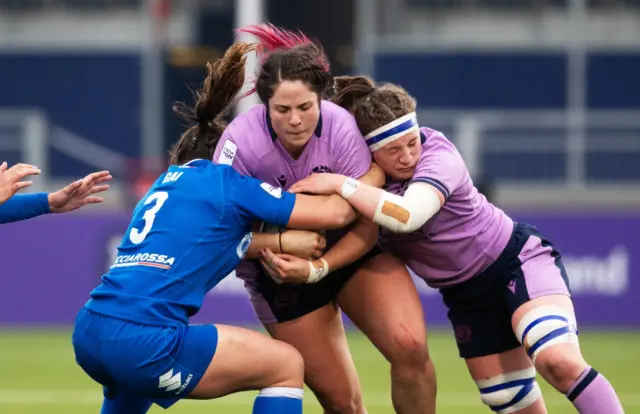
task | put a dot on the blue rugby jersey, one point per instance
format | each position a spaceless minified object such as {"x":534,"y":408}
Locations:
{"x":190,"y":230}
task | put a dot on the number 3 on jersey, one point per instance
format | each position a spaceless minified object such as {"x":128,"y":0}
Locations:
{"x":158,"y":198}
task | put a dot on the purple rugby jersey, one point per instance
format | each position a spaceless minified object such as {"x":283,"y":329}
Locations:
{"x":468,"y":233}
{"x":251,"y":146}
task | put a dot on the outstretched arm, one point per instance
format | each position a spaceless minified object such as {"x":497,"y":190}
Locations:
{"x":23,"y":207}
{"x":72,"y":197}
{"x":80,"y":193}
{"x":401,"y":214}
{"x":334,"y":208}
{"x":257,"y":200}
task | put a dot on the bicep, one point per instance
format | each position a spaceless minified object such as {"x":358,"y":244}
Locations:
{"x":418,"y":191}
{"x":257,"y":200}
{"x":444,"y":171}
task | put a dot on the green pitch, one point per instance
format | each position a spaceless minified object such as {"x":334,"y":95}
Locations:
{"x":39,"y":375}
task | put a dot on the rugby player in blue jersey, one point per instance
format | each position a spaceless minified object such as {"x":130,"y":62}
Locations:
{"x":25,"y":206}
{"x":191,"y":230}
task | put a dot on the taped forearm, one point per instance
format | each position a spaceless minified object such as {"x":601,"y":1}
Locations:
{"x":400,"y":214}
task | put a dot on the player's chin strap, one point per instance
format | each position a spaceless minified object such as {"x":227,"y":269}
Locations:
{"x":318,"y":269}
{"x":380,"y":137}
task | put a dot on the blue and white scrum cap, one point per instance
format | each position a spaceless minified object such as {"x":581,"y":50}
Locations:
{"x":380,"y":137}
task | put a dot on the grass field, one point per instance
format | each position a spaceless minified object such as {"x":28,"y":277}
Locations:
{"x":39,"y":376}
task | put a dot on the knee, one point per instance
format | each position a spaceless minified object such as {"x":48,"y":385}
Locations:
{"x":409,"y":355}
{"x":290,"y":368}
{"x":510,"y":392}
{"x":560,"y":367}
{"x":545,"y":327}
{"x":550,"y":337}
{"x":343,"y":402}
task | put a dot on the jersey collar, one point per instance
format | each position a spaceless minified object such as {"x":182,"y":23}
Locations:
{"x":193,"y":163}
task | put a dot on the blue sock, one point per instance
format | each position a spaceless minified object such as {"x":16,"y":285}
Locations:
{"x":121,"y":402}
{"x":278,"y":400}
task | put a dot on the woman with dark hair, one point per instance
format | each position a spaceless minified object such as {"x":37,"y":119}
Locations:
{"x":292,"y":134}
{"x":504,"y":283}
{"x":191,"y":229}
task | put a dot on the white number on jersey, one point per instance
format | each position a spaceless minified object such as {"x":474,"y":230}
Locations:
{"x":158,"y":198}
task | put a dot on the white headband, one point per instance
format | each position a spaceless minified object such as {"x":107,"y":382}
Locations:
{"x":392,"y":131}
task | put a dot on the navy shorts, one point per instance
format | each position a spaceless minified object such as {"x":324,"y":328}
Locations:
{"x":275,"y":302}
{"x":481,"y":308}
{"x":163,"y":364}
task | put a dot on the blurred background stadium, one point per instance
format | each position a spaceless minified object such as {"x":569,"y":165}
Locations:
{"x":541,"y":96}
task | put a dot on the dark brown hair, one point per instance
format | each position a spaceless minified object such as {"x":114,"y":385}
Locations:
{"x":372,"y":105}
{"x":290,"y":56}
{"x":224,"y":80}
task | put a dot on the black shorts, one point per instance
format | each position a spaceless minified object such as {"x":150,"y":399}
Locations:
{"x":481,"y":308}
{"x":287,"y":302}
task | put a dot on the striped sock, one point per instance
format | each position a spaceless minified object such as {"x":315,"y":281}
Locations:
{"x":279,"y":400}
{"x":593,"y":394}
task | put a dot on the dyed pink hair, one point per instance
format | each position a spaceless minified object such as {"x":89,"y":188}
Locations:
{"x":273,"y":38}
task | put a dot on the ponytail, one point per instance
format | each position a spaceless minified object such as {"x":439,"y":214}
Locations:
{"x":223,"y":83}
{"x":348,"y":91}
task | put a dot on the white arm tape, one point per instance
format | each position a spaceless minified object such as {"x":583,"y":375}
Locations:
{"x":408,"y":213}
{"x":318,"y":269}
{"x":349,"y":188}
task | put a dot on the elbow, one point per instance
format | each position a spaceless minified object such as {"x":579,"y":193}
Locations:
{"x":416,"y":220}
{"x":337,"y":213}
{"x":408,"y":228}
{"x":342,"y":217}
{"x":397,"y":226}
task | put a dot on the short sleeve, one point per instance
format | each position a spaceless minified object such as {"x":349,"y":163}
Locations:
{"x":227,"y":153}
{"x":351,"y":151}
{"x":257,"y":200}
{"x":443,"y":168}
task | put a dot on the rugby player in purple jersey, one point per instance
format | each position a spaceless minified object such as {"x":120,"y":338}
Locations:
{"x":292,"y":134}
{"x":503,"y":282}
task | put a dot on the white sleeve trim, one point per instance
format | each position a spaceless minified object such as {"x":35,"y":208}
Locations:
{"x":408,"y":213}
